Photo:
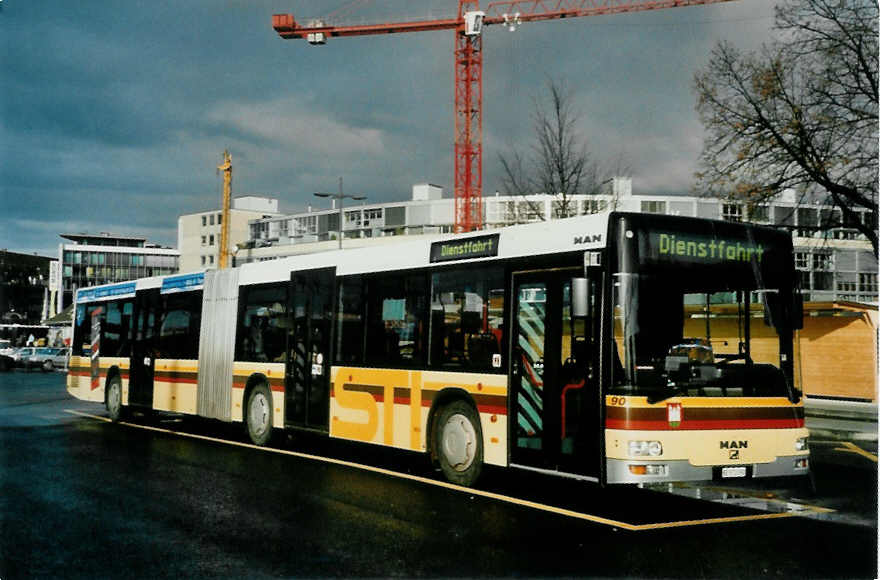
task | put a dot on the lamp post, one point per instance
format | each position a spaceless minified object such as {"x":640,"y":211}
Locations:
{"x":340,"y":196}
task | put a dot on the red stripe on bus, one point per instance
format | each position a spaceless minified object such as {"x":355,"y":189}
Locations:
{"x":709,"y":425}
{"x":274,"y":387}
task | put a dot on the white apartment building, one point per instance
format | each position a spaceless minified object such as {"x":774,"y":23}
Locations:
{"x":198,"y":234}
{"x":835,"y":265}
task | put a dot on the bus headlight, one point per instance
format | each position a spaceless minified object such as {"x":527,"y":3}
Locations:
{"x":645,"y":449}
{"x":801,"y":444}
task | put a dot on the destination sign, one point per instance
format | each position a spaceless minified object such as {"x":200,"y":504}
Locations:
{"x":479,"y":247}
{"x":116,"y":291}
{"x":690,"y":248}
{"x":183,"y":282}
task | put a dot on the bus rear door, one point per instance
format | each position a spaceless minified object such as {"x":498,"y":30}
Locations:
{"x":143,"y":350}
{"x":307,"y":389}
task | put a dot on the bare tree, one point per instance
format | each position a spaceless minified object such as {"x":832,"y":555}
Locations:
{"x":799,"y":114}
{"x":559,"y":163}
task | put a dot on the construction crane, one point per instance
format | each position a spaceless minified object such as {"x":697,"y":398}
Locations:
{"x":226,"y":168}
{"x":468,"y":27}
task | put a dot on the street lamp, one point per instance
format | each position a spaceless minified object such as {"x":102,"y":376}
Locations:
{"x":340,"y":196}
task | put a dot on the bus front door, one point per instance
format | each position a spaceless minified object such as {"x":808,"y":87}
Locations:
{"x":554,"y":400}
{"x":143,"y":348}
{"x":307,"y":391}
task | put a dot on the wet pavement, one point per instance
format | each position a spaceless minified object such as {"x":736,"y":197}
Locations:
{"x":81,"y":497}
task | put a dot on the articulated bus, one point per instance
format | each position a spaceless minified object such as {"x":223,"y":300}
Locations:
{"x":617,"y":348}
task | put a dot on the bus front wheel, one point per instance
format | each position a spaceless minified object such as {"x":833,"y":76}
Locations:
{"x":458,"y":443}
{"x":258,"y":414}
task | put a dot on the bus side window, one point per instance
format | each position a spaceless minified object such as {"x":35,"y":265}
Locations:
{"x":466,"y":319}
{"x":396,"y":320}
{"x":350,"y":321}
{"x":262,"y":323}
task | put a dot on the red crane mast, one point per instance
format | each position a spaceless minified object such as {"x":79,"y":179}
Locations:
{"x":469,"y":68}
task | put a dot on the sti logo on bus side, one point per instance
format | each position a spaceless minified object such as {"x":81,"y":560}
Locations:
{"x":588,"y":239}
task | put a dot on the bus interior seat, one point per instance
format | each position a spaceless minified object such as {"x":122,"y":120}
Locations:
{"x":481,"y":347}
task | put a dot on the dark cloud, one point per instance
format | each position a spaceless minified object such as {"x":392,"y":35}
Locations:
{"x":113,"y":115}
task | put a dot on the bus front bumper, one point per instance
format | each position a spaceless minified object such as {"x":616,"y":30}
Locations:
{"x":655,"y":471}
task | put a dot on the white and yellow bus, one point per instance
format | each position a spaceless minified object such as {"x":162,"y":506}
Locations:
{"x":615,"y":347}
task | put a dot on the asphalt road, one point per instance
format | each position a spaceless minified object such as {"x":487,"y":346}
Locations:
{"x":80,"y":497}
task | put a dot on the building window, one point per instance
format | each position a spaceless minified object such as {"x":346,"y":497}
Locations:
{"x":353,"y":219}
{"x":802,"y":260}
{"x":823,"y":281}
{"x":823,"y":262}
{"x":203,"y":260}
{"x":212,"y":219}
{"x":564,"y":208}
{"x":594,"y":205}
{"x":204,"y":220}
{"x":211,"y":240}
{"x":219,"y":219}
{"x":846,"y":286}
{"x":211,"y":259}
{"x":732,"y":212}
{"x":759,"y":214}
{"x":204,"y":240}
{"x":372,"y":215}
{"x":868,"y":283}
{"x":654,"y":207}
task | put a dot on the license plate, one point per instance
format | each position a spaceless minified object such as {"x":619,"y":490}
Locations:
{"x":733,"y":472}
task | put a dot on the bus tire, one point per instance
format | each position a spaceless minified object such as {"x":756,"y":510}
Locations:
{"x":458,"y":442}
{"x":48,"y":366}
{"x":258,"y":414}
{"x":113,"y":400}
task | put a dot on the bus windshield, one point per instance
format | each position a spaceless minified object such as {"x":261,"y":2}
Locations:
{"x":685,"y":327}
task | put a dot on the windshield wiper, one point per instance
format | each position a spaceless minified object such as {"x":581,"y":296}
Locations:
{"x":675,"y":390}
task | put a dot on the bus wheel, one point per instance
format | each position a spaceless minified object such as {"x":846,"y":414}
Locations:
{"x":258,"y":414}
{"x":48,"y":366}
{"x":458,"y":443}
{"x":114,"y":399}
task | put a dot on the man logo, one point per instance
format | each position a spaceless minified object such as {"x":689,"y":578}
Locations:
{"x":733,"y":447}
{"x":588,"y":239}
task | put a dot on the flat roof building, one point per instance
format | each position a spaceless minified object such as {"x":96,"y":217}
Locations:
{"x":93,"y":259}
{"x":198,"y":234}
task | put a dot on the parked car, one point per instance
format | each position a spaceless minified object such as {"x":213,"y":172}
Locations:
{"x":6,"y":347}
{"x":21,"y":355}
{"x":48,"y":358}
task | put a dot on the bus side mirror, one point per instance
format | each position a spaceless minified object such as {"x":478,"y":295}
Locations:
{"x":580,"y":298}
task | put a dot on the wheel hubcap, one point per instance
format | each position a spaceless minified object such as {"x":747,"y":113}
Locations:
{"x":459,"y":442}
{"x":259,"y":414}
{"x":113,"y":397}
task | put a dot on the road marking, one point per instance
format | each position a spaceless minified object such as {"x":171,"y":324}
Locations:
{"x":744,"y":493}
{"x":451,"y":486}
{"x":853,"y":448}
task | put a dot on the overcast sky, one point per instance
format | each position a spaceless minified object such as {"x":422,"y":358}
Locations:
{"x":114,"y":115}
